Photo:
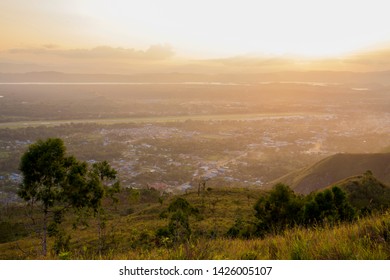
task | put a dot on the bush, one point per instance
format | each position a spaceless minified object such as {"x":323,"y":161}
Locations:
{"x":279,"y":210}
{"x":282,"y":209}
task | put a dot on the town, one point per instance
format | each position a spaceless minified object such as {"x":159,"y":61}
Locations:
{"x":218,"y":143}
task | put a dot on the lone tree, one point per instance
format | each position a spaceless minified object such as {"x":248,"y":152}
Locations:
{"x":54,"y":182}
{"x":104,"y":179}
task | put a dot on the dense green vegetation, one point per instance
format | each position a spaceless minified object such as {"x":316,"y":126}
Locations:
{"x":282,"y":209}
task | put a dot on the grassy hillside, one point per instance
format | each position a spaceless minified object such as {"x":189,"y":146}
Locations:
{"x":366,"y":192}
{"x":335,"y":168}
{"x":132,"y":225}
{"x":367,"y":239}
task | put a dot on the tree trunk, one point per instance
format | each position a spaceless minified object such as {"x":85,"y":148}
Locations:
{"x":44,"y":237}
{"x":100,"y":232}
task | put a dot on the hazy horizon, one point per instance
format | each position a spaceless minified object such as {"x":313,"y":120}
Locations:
{"x":129,"y":37}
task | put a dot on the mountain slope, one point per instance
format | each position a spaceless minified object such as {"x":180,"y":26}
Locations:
{"x":366,"y":192}
{"x":336,"y":168}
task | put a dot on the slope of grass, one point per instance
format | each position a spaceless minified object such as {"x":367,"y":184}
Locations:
{"x":366,"y":192}
{"x":132,"y":224}
{"x":335,"y":168}
{"x":133,"y":236}
{"x":368,"y":239}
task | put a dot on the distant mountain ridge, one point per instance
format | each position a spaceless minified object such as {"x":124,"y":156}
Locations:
{"x":380,"y":77}
{"x":336,"y":168}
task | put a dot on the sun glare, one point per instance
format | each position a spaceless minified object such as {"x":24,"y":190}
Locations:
{"x":309,"y":28}
{"x":219,"y":28}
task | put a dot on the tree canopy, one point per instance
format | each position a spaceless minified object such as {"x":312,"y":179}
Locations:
{"x":282,"y":209}
{"x":55,"y":182}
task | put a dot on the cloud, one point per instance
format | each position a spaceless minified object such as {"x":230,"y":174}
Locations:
{"x":373,"y":58}
{"x":161,"y":58}
{"x":154,"y":52}
{"x":50,"y":46}
{"x":159,"y":52}
{"x":253,"y":61}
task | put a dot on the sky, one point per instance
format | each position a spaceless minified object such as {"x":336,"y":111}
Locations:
{"x":151,"y":30}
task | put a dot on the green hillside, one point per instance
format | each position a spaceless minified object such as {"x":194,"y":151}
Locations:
{"x":132,"y":236}
{"x":366,"y":192}
{"x":335,"y":168}
{"x":132,"y":223}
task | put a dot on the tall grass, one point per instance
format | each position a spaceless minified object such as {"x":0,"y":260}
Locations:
{"x":133,"y":236}
{"x":366,"y":239}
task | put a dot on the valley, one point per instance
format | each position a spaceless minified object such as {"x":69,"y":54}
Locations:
{"x":167,"y":140}
{"x":170,"y":136}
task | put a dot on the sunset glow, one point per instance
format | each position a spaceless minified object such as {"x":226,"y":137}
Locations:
{"x":217,"y":36}
{"x":208,"y":28}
